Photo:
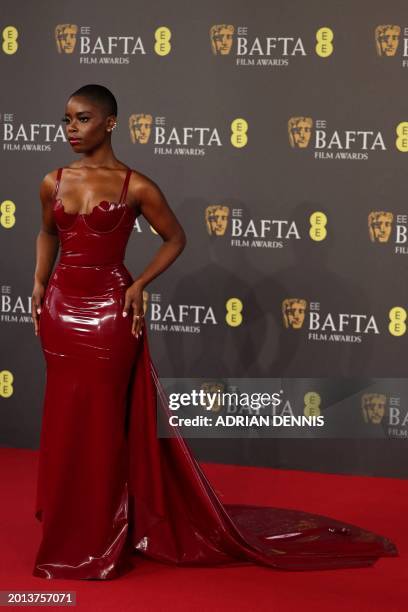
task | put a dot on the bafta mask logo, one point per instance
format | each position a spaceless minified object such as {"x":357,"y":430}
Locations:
{"x":387,"y":39}
{"x":300,"y":130}
{"x":373,"y":407}
{"x":65,"y":37}
{"x":216,"y":219}
{"x":221,"y":37}
{"x":293,"y":310}
{"x":380,"y":225}
{"x":212,"y":387}
{"x":140,"y":127}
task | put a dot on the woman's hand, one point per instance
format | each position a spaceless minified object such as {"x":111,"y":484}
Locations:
{"x":134,"y":300}
{"x":36,"y":304}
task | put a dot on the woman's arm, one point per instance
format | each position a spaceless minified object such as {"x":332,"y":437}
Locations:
{"x":156,"y":210}
{"x":47,"y":244}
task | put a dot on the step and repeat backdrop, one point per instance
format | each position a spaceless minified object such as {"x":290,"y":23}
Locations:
{"x":278,"y":133}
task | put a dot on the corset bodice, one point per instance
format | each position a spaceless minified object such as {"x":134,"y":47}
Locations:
{"x":99,"y":237}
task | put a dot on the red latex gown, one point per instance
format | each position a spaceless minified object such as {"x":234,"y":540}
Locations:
{"x":107,"y":485}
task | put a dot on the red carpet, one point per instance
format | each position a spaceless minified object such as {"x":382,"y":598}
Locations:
{"x":378,"y":504}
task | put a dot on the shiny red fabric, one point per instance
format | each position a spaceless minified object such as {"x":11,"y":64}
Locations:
{"x":108,"y":487}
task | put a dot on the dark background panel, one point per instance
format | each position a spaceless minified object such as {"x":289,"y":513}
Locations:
{"x":352,"y":89}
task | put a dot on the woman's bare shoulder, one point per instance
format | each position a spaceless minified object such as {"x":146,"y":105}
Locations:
{"x":140,"y":177}
{"x":47,"y":184}
{"x":50,"y":177}
{"x":141,"y":182}
{"x":144,"y":191}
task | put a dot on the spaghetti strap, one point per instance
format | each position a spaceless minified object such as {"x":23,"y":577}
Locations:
{"x":125,"y":186}
{"x":57,"y":183}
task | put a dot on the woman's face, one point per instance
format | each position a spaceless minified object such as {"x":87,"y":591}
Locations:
{"x":86,"y":124}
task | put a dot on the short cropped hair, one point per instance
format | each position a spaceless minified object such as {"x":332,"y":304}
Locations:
{"x":99,"y":95}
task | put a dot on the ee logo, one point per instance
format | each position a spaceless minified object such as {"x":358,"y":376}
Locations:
{"x":312,"y":404}
{"x":234,"y":308}
{"x":10,"y":44}
{"x":7,"y":216}
{"x":397,"y":325}
{"x":318,"y":222}
{"x":6,"y":383}
{"x":239,"y":128}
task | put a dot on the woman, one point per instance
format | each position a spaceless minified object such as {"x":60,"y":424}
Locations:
{"x":108,"y":487}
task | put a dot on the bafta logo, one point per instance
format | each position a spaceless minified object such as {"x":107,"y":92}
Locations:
{"x":140,"y":127}
{"x":300,"y":130}
{"x":387,"y":39}
{"x":211,"y":387}
{"x":216,"y":219}
{"x":293,"y":311}
{"x":221,"y":37}
{"x":380,"y":225}
{"x":373,"y":407}
{"x":65,"y":37}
